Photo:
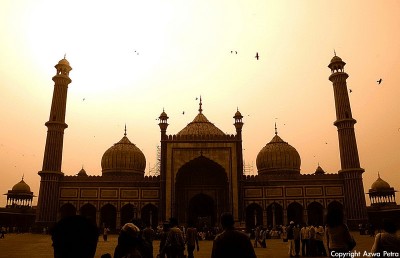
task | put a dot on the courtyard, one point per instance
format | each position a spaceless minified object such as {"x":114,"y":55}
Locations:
{"x":39,"y":246}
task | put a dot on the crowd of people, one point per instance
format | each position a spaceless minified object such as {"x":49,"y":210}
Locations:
{"x":77,"y":237}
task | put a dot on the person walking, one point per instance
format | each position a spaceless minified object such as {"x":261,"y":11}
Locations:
{"x":129,"y":243}
{"x":192,"y":239}
{"x":305,"y":237}
{"x":175,"y":242}
{"x":290,"y":238}
{"x":231,"y":242}
{"x":105,"y":233}
{"x":296,"y":236}
{"x":319,"y":240}
{"x":387,"y":241}
{"x":337,"y":233}
{"x":148,"y":236}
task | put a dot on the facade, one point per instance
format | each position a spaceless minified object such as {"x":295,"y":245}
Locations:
{"x":201,"y":174}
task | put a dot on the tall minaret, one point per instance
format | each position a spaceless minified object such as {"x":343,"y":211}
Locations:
{"x":51,"y":170}
{"x":354,"y":203}
{"x":163,"y":118}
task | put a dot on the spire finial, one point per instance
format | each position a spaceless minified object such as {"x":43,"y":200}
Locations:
{"x":379,"y":175}
{"x":125,"y":130}
{"x":200,"y":104}
{"x":334,"y":51}
{"x":23,"y":175}
{"x":276,"y":130}
{"x":65,"y":55}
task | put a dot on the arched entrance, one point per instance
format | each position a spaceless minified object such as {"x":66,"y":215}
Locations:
{"x":201,"y":191}
{"x":315,"y":214}
{"x":254,"y":216}
{"x":295,"y":213}
{"x":127,"y":213}
{"x":67,"y":210}
{"x":274,"y":215}
{"x":149,"y":215}
{"x":108,"y":216}
{"x":201,"y":211}
{"x":89,"y":211}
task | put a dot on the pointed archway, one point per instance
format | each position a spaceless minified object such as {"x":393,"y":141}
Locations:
{"x":67,"y":210}
{"x":127,"y":213}
{"x":274,"y":215}
{"x":88,"y":211}
{"x":205,"y":183}
{"x":295,"y":213}
{"x":254,"y":216}
{"x":108,"y":216}
{"x":202,"y":211}
{"x":149,"y":215}
{"x":315,"y":212}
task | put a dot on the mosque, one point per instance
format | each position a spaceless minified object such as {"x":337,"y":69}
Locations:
{"x":201,"y":174}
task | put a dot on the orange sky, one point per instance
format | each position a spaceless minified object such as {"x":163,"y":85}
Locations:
{"x":185,"y":51}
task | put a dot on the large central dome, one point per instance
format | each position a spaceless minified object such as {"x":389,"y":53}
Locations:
{"x":278,"y":157}
{"x":124,"y":158}
{"x":200,"y":126}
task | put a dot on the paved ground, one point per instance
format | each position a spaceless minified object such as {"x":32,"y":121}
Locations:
{"x":39,"y":246}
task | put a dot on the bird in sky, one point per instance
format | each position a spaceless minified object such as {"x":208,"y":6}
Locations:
{"x":183,"y":112}
{"x":233,"y":51}
{"x":257,"y":56}
{"x":379,"y":81}
{"x":83,"y":99}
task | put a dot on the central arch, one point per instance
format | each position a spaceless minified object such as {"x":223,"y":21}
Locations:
{"x":201,"y":210}
{"x":201,"y":192}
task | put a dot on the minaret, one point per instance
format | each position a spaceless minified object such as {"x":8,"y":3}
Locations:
{"x":51,"y":170}
{"x":239,"y":154}
{"x":354,"y":203}
{"x":163,"y":118}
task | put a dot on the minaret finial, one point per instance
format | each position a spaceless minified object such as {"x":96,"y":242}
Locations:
{"x":65,"y":55}
{"x":276,"y":130}
{"x":125,"y":130}
{"x":379,"y":175}
{"x":334,"y":51}
{"x":200,"y":104}
{"x":23,"y":177}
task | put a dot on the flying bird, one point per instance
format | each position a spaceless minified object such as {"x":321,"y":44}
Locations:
{"x":257,"y":56}
{"x":379,"y":81}
{"x":83,"y":99}
{"x":183,"y":112}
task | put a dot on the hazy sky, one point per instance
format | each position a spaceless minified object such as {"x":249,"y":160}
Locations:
{"x":131,"y":59}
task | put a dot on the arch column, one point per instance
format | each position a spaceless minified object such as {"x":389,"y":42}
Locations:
{"x":265,"y":217}
{"x":118,"y":222}
{"x":98,"y":219}
{"x":305,"y":215}
{"x":285,"y":217}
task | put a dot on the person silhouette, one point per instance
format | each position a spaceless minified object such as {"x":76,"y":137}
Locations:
{"x":74,"y":237}
{"x":231,"y":242}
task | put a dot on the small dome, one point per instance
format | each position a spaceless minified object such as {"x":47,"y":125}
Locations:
{"x":319,"y":171}
{"x":380,"y":184}
{"x":21,"y":187}
{"x":278,"y":157}
{"x":123,"y":158}
{"x":336,"y":59}
{"x":200,"y":126}
{"x":163,"y":115}
{"x":238,"y":114}
{"x":82,"y":172}
{"x":63,"y":62}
